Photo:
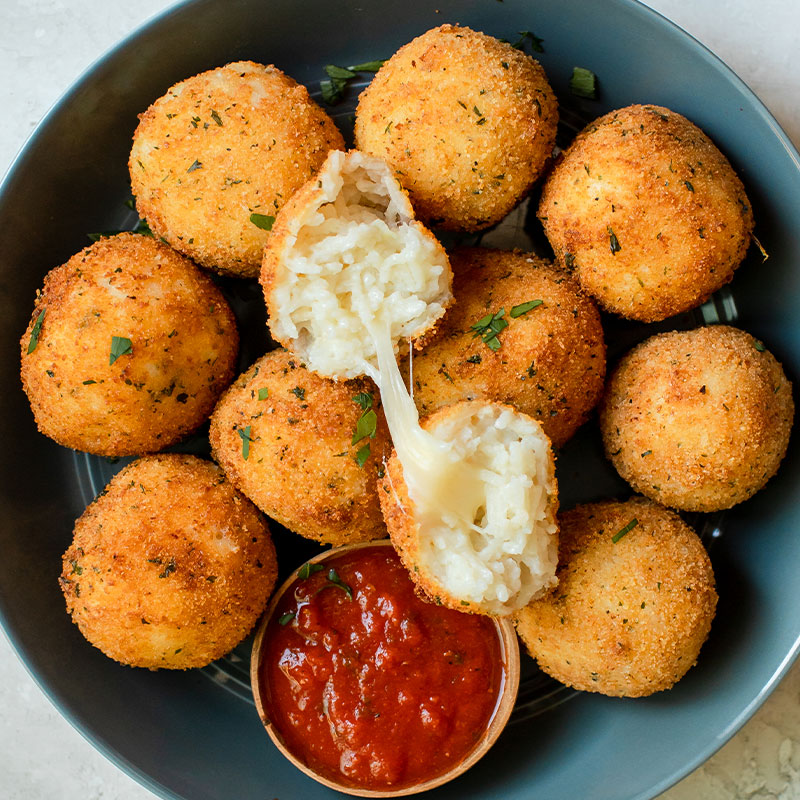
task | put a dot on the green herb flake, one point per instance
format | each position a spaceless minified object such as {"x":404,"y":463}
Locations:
{"x":760,"y":347}
{"x":308,"y":569}
{"x":627,"y":529}
{"x":285,"y":619}
{"x":583,"y":83}
{"x":368,"y":66}
{"x":689,"y":186}
{"x":36,"y":330}
{"x":366,"y":426}
{"x":362,"y":455}
{"x":263,"y":221}
{"x":363,"y":400}
{"x":216,"y":117}
{"x":299,"y":393}
{"x":263,"y":394}
{"x":244,"y":435}
{"x":195,"y":165}
{"x":338,"y":77}
{"x":334,"y":578}
{"x":527,"y":36}
{"x":89,"y":382}
{"x":120,"y":346}
{"x":476,"y":359}
{"x":524,"y":308}
{"x":613,"y":241}
{"x":488,"y":327}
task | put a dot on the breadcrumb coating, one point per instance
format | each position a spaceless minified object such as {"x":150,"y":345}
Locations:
{"x":698,"y":420}
{"x":633,"y":605}
{"x":170,"y":567}
{"x":648,"y":212}
{"x":466,"y":121}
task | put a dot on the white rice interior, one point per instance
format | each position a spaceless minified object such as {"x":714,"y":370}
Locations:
{"x":357,"y":261}
{"x":509,"y":553}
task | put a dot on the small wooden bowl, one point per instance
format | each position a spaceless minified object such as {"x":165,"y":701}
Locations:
{"x":505,"y":704}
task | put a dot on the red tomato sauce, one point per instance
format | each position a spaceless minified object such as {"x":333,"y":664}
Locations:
{"x":371,"y":686}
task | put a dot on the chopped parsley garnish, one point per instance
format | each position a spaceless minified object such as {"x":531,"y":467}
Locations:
{"x":335,"y":580}
{"x":476,"y":359}
{"x":244,"y":435}
{"x":195,"y":165}
{"x":613,"y":241}
{"x":216,"y":117}
{"x":488,"y":327}
{"x":364,"y":400}
{"x":627,"y":529}
{"x":362,"y":455}
{"x":367,"y":425}
{"x":299,"y":393}
{"x":583,"y":83}
{"x":689,"y":186}
{"x":35,"y":331}
{"x":263,"y":221}
{"x":307,"y":570}
{"x":263,"y":394}
{"x":120,"y":346}
{"x":285,"y":619}
{"x":760,"y":347}
{"x":524,"y":308}
{"x":339,"y":77}
{"x":527,"y":36}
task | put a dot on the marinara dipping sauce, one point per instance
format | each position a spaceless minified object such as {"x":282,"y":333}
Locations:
{"x":369,"y":686}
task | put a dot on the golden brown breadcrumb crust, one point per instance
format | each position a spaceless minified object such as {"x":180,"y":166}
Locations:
{"x":698,"y":420}
{"x":297,"y":430}
{"x":648,"y":212}
{"x":170,"y":567}
{"x":219,"y":147}
{"x":628,"y":617}
{"x":134,"y":347}
{"x":466,"y":121}
{"x":550,"y":363}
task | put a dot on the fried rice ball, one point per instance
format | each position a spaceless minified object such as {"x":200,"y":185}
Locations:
{"x":648,"y":212}
{"x":218,"y":155}
{"x":170,"y":567}
{"x":698,"y":420}
{"x":128,"y":348}
{"x":633,"y":605}
{"x":476,"y":529}
{"x":549,"y":362}
{"x":466,"y":121}
{"x":347,"y":263}
{"x":287,"y":438}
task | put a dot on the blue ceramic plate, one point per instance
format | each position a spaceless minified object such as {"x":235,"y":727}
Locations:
{"x":196,"y":735}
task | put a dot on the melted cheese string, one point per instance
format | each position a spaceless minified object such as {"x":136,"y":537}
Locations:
{"x":443,"y":487}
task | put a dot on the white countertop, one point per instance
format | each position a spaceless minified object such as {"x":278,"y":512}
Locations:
{"x":44,"y":46}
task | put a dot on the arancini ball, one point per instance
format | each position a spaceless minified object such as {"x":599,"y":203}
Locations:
{"x":305,"y":449}
{"x":170,"y":567}
{"x":548,"y":362}
{"x":648,"y":212}
{"x":472,"y":512}
{"x":467,"y":123}
{"x":219,"y":154}
{"x":633,"y":605}
{"x":698,"y":420}
{"x":128,"y":348}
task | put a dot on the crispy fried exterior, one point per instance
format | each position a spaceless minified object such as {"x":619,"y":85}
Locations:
{"x":648,"y":212}
{"x":170,"y":567}
{"x":466,"y":121}
{"x":398,"y":512}
{"x":183,"y":347}
{"x":551,"y":362}
{"x":698,"y":420}
{"x":628,"y":618}
{"x":300,"y":467}
{"x":220,"y":146}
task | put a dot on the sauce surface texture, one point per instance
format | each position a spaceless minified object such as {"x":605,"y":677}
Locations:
{"x":371,"y":686}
